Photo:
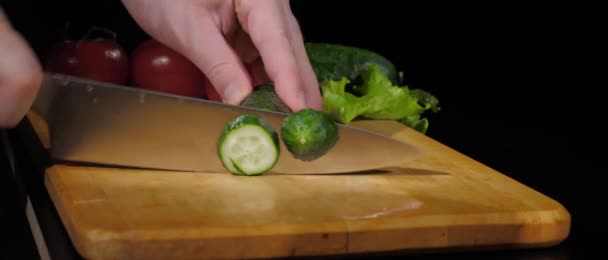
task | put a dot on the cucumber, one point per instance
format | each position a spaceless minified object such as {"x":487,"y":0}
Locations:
{"x":264,"y":97}
{"x":248,"y":145}
{"x":334,"y":61}
{"x":309,"y":134}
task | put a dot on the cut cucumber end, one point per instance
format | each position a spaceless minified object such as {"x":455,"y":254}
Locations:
{"x":248,"y":146}
{"x":249,"y":150}
{"x":309,"y":134}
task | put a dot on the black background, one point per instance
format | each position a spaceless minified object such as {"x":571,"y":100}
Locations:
{"x":509,"y":75}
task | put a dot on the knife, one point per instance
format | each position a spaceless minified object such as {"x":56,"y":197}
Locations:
{"x":106,"y":124}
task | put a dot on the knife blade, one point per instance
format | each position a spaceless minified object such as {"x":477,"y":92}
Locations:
{"x":101,"y":123}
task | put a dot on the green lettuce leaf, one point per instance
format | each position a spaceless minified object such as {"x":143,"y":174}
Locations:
{"x":339,"y":104}
{"x":419,"y":124}
{"x":427,"y":100}
{"x":377,"y":98}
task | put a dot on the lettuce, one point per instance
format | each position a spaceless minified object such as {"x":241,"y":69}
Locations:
{"x":377,"y":98}
{"x":339,"y":104}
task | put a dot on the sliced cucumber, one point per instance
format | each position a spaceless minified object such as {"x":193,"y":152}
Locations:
{"x":309,"y":134}
{"x":248,"y":145}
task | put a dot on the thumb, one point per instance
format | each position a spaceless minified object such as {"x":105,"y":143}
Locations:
{"x":20,"y":75}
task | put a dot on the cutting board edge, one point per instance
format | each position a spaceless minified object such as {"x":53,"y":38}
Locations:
{"x":94,"y":249}
{"x":515,"y":234}
{"x":563,"y":227}
{"x":146,"y":249}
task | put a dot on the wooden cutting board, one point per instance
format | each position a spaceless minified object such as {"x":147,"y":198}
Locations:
{"x":442,"y":200}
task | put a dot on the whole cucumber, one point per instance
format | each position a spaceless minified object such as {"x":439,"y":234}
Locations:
{"x":334,"y":61}
{"x":264,"y":97}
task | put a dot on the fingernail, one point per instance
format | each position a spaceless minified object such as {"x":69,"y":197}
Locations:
{"x":233,"y":94}
{"x":301,"y":97}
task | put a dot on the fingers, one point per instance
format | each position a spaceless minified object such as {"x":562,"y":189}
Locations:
{"x":20,"y":75}
{"x":197,"y":30}
{"x":219,"y":62}
{"x":268,"y":27}
{"x":309,"y":79}
{"x":270,"y":32}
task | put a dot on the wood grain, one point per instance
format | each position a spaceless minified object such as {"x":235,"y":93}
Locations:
{"x":441,"y":200}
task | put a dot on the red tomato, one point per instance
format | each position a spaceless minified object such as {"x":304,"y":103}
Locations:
{"x":62,"y":59}
{"x":102,"y":60}
{"x":157,"y":67}
{"x":212,"y":92}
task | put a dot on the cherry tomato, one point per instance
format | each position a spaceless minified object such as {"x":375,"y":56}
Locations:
{"x":211,"y":92}
{"x":157,"y":67}
{"x":62,"y":58}
{"x":95,"y":59}
{"x":102,"y":60}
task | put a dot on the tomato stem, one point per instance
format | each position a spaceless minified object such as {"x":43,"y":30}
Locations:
{"x":99,"y":29}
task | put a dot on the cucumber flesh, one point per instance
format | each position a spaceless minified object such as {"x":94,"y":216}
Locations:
{"x":248,"y":146}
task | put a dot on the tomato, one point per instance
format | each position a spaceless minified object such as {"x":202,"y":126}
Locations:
{"x":157,"y":67}
{"x":102,"y":60}
{"x":95,"y":59}
{"x":62,"y":58}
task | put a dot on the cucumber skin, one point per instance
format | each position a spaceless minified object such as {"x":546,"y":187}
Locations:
{"x":243,"y":120}
{"x":334,"y":61}
{"x":320,"y":132}
{"x":264,"y":97}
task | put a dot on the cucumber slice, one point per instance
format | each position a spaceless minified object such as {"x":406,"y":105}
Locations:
{"x":309,"y":134}
{"x":248,"y":145}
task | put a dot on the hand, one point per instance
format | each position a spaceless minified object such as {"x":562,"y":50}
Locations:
{"x":221,"y":36}
{"x":20,"y":75}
